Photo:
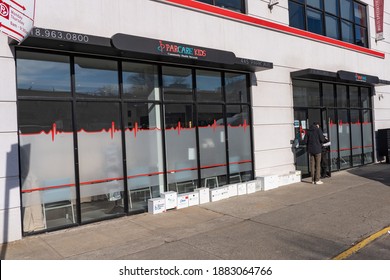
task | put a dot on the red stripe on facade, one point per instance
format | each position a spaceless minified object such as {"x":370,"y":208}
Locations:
{"x":274,"y":26}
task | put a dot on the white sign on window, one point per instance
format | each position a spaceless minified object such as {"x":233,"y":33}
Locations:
{"x":17,"y":18}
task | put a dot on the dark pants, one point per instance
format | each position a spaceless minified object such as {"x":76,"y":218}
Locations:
{"x":324,"y":163}
{"x":315,"y":167}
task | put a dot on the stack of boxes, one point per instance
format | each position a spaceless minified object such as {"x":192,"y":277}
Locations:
{"x":173,"y":200}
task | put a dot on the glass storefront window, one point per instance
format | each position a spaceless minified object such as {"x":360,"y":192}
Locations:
{"x":181,"y":151}
{"x":238,"y":127}
{"x":144,"y":153}
{"x":100,"y":159}
{"x":46,"y":165}
{"x":328,"y":95}
{"x":344,"y":139}
{"x":140,"y":81}
{"x":208,"y":86}
{"x":96,"y":77}
{"x":236,"y":88}
{"x":365,"y":97}
{"x":177,"y":84}
{"x":342,"y":96}
{"x":334,"y":140}
{"x":41,"y":74}
{"x":106,"y":141}
{"x":212,"y":145}
{"x":356,"y":137}
{"x":354,"y":96}
{"x":368,"y":148}
{"x":306,"y":93}
{"x":348,"y":125}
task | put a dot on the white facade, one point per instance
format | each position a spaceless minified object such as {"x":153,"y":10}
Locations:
{"x":272,"y":99}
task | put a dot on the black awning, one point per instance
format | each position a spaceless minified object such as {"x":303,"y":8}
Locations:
{"x":129,"y":46}
{"x":340,"y":76}
{"x":166,"y":51}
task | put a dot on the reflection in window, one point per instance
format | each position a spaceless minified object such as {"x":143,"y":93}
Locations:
{"x":342,"y":96}
{"x":328,"y":95}
{"x":96,"y":77}
{"x":360,"y":14}
{"x":347,"y":31}
{"x":42,"y":74}
{"x":360,"y":36}
{"x":140,"y":81}
{"x":306,"y":93}
{"x":365,"y":97}
{"x":332,"y":24}
{"x":177,"y":83}
{"x":208,"y":85}
{"x":314,"y":21}
{"x":354,"y":96}
{"x":315,"y":3}
{"x":296,"y":15}
{"x":332,"y":7}
{"x":236,"y":88}
{"x":346,"y":9}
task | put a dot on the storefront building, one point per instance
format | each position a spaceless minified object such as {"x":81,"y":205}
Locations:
{"x":120,"y":101}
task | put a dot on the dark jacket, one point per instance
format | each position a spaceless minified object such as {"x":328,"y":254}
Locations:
{"x":314,"y":140}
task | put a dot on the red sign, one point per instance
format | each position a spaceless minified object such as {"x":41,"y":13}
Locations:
{"x":378,"y":13}
{"x":16,"y":18}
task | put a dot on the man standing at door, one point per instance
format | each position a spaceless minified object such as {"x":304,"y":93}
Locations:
{"x":314,"y":140}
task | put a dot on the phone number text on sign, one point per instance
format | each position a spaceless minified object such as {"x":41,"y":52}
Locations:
{"x":59,"y":35}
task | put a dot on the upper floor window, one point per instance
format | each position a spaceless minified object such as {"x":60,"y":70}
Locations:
{"x":234,"y":5}
{"x":344,"y":20}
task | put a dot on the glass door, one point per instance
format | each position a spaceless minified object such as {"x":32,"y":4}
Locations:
{"x":300,"y":127}
{"x":303,"y":118}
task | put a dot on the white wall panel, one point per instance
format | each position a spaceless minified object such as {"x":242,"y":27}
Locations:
{"x":273,"y":158}
{"x":5,"y":49}
{"x":272,"y":94}
{"x":272,"y":115}
{"x":8,"y":117}
{"x":270,"y":137}
{"x":8,"y":82}
{"x":275,"y":170}
{"x":10,"y":225}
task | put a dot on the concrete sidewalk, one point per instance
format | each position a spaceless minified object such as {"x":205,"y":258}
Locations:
{"x":300,"y":221}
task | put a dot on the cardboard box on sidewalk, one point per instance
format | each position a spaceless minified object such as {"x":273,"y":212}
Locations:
{"x":170,"y":199}
{"x":204,"y":195}
{"x":193,"y":198}
{"x":182,"y":201}
{"x":156,"y":205}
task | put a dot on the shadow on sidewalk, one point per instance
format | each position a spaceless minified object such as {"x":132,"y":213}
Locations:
{"x":379,"y":172}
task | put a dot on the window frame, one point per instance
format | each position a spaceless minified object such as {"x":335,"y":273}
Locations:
{"x":357,"y":28}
